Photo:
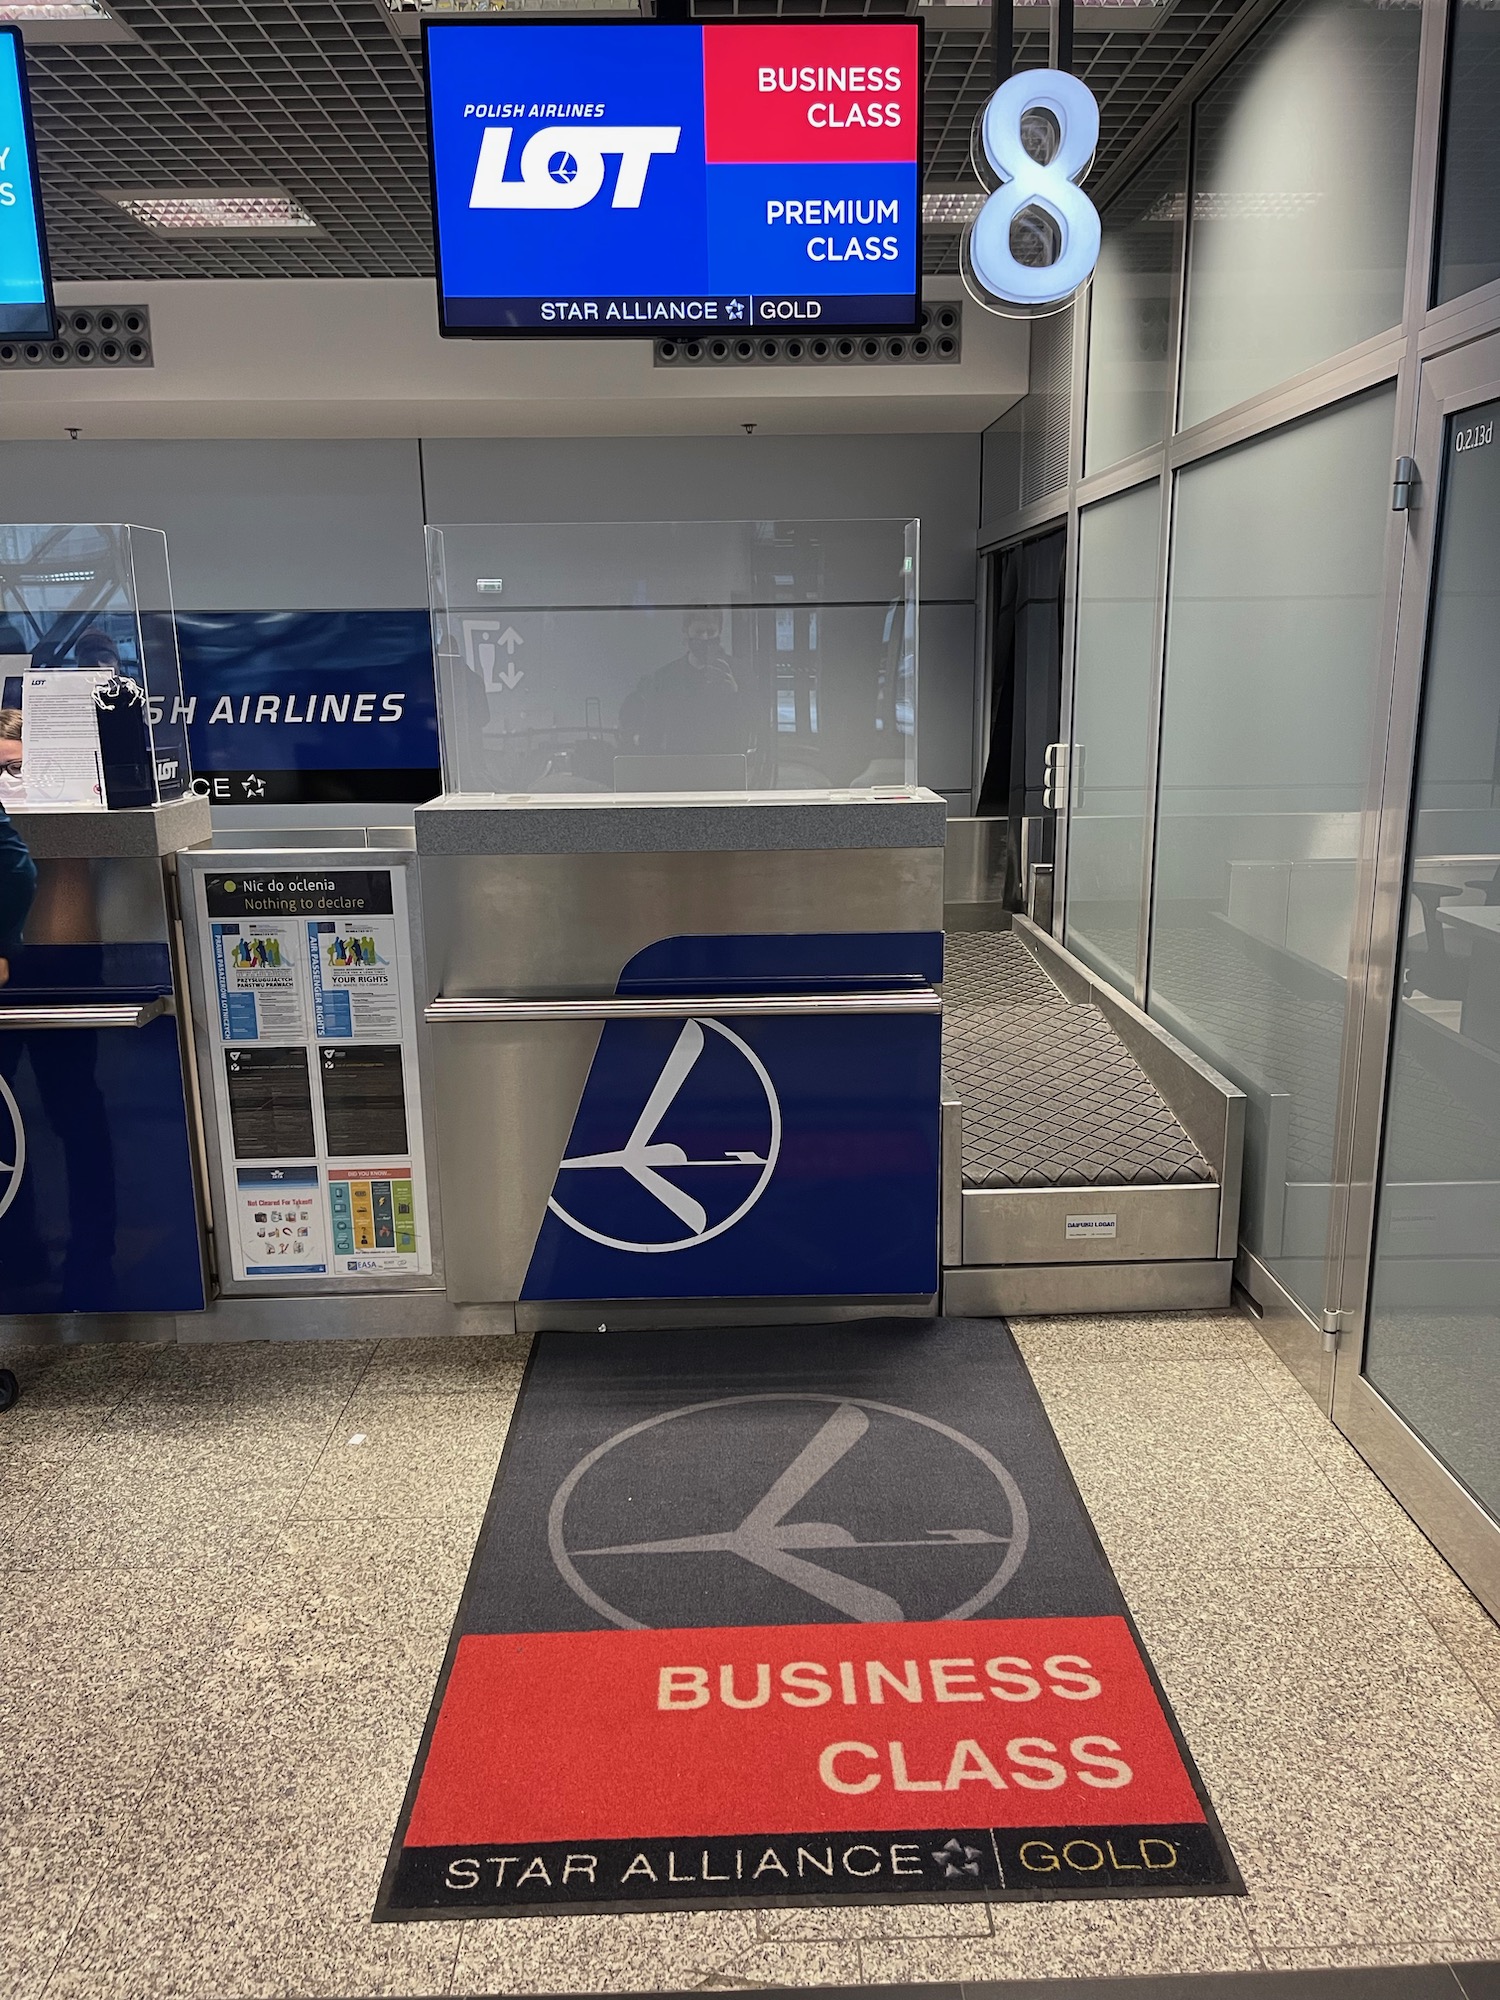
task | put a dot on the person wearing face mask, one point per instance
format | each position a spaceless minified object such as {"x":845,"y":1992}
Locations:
{"x":17,"y":869}
{"x":692,"y":704}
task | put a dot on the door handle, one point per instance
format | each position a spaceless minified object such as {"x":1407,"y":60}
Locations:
{"x":84,"y":1014}
{"x":649,"y":1007}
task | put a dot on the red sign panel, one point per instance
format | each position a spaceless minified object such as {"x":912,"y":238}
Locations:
{"x":810,"y":95}
{"x":626,"y":1735}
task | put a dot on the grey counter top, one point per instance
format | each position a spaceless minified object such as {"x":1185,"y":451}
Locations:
{"x":66,"y":834}
{"x":482,"y":823}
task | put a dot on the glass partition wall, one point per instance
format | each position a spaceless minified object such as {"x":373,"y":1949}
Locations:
{"x":1280,"y":702}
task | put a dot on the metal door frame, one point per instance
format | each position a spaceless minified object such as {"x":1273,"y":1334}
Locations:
{"x":1449,"y":383}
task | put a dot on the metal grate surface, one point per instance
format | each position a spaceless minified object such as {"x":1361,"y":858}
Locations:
{"x":324,"y":100}
{"x":1051,"y":1096}
{"x":994,"y":969}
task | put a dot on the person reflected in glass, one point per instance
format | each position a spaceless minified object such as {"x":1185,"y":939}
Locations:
{"x":692,"y":704}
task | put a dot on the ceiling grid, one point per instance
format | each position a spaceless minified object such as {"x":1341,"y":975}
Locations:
{"x":324,"y":101}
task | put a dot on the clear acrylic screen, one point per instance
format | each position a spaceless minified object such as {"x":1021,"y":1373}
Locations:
{"x":668,"y":657}
{"x":96,"y":596}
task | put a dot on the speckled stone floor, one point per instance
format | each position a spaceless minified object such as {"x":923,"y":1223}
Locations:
{"x":229,"y":1573}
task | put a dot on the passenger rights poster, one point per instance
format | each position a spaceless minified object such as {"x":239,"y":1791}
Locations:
{"x":316,"y":1089}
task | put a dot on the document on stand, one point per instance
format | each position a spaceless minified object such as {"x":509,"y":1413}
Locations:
{"x":63,"y":766}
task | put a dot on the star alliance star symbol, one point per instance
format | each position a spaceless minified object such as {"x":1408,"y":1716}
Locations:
{"x":956,"y":1860}
{"x":253,"y":787}
{"x":736,"y":308}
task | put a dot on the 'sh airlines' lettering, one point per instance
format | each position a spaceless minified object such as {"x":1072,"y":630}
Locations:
{"x":562,"y":166}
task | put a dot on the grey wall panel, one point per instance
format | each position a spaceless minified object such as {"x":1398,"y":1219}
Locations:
{"x":723,"y":479}
{"x":252,"y":525}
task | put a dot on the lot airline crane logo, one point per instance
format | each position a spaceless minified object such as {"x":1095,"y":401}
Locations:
{"x":633,"y":178}
{"x":726,"y":1183}
{"x":12,"y":1146}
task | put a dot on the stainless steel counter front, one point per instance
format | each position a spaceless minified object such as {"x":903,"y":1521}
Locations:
{"x":604,"y":1133}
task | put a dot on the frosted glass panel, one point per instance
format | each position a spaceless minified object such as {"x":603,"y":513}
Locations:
{"x":1130,"y":312}
{"x":1469,"y":242}
{"x":1117,"y":552}
{"x":1301,"y":184}
{"x":1434,"y":1346}
{"x":1273,"y":644}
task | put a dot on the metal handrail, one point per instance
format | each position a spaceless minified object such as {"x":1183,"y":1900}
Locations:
{"x":652,"y":1007}
{"x":83,"y":1014}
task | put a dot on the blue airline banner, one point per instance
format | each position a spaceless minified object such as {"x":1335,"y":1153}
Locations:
{"x":309,"y":707}
{"x":25,"y":292}
{"x":603,"y":178}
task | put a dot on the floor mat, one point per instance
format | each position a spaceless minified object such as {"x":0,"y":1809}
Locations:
{"x":792,"y":1615}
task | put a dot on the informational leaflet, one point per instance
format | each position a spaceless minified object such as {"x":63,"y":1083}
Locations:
{"x":355,"y":990}
{"x":63,"y":765}
{"x":279,"y":1222}
{"x":260,"y":977}
{"x":316,"y":1087}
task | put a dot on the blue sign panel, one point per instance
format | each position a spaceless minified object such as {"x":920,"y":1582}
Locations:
{"x":25,"y":284}
{"x":298,"y":707}
{"x":97,"y":1210}
{"x":759,"y":1156}
{"x":599,"y":178}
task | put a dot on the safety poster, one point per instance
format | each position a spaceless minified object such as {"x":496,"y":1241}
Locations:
{"x":316,"y":1089}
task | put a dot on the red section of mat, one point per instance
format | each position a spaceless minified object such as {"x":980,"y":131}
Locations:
{"x":798,"y":1728}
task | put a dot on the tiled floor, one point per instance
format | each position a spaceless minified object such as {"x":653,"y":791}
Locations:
{"x":228,"y":1579}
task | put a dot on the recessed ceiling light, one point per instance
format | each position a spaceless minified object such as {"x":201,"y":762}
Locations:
{"x":407,"y":15}
{"x":950,"y":207}
{"x":264,"y":212}
{"x":65,"y":21}
{"x":53,"y":10}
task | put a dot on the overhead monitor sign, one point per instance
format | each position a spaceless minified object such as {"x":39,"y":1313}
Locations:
{"x":594,"y":179}
{"x":25,"y":282}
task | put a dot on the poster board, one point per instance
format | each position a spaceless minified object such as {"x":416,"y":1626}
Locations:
{"x":313,"y":1077}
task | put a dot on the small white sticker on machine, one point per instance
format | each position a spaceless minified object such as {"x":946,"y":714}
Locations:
{"x":1099,"y":1228}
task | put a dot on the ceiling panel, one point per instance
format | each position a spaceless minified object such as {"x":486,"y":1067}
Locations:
{"x":323,"y":100}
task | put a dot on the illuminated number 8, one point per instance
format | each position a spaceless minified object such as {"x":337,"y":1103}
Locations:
{"x":1026,"y":183}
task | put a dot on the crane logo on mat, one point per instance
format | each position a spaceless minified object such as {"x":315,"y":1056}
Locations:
{"x":949,"y":1472}
{"x":562,"y":166}
{"x":722,"y":1188}
{"x":12,"y":1146}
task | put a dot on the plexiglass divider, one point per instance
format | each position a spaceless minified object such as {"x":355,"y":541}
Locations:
{"x":92,"y":599}
{"x":718,"y":658}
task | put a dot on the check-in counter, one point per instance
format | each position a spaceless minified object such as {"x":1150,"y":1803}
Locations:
{"x":686,"y":1051}
{"x":99,"y":1209}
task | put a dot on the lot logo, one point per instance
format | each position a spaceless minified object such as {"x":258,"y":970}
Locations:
{"x":656,"y":1165}
{"x":1036,"y":203}
{"x":12,"y":1146}
{"x":562,"y":166}
{"x":890,"y":1472}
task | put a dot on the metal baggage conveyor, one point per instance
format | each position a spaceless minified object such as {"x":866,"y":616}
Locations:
{"x":1090,"y":1161}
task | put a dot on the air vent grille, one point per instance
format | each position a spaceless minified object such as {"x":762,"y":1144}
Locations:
{"x":939,"y":340}
{"x":1044,"y":428}
{"x":87,"y":337}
